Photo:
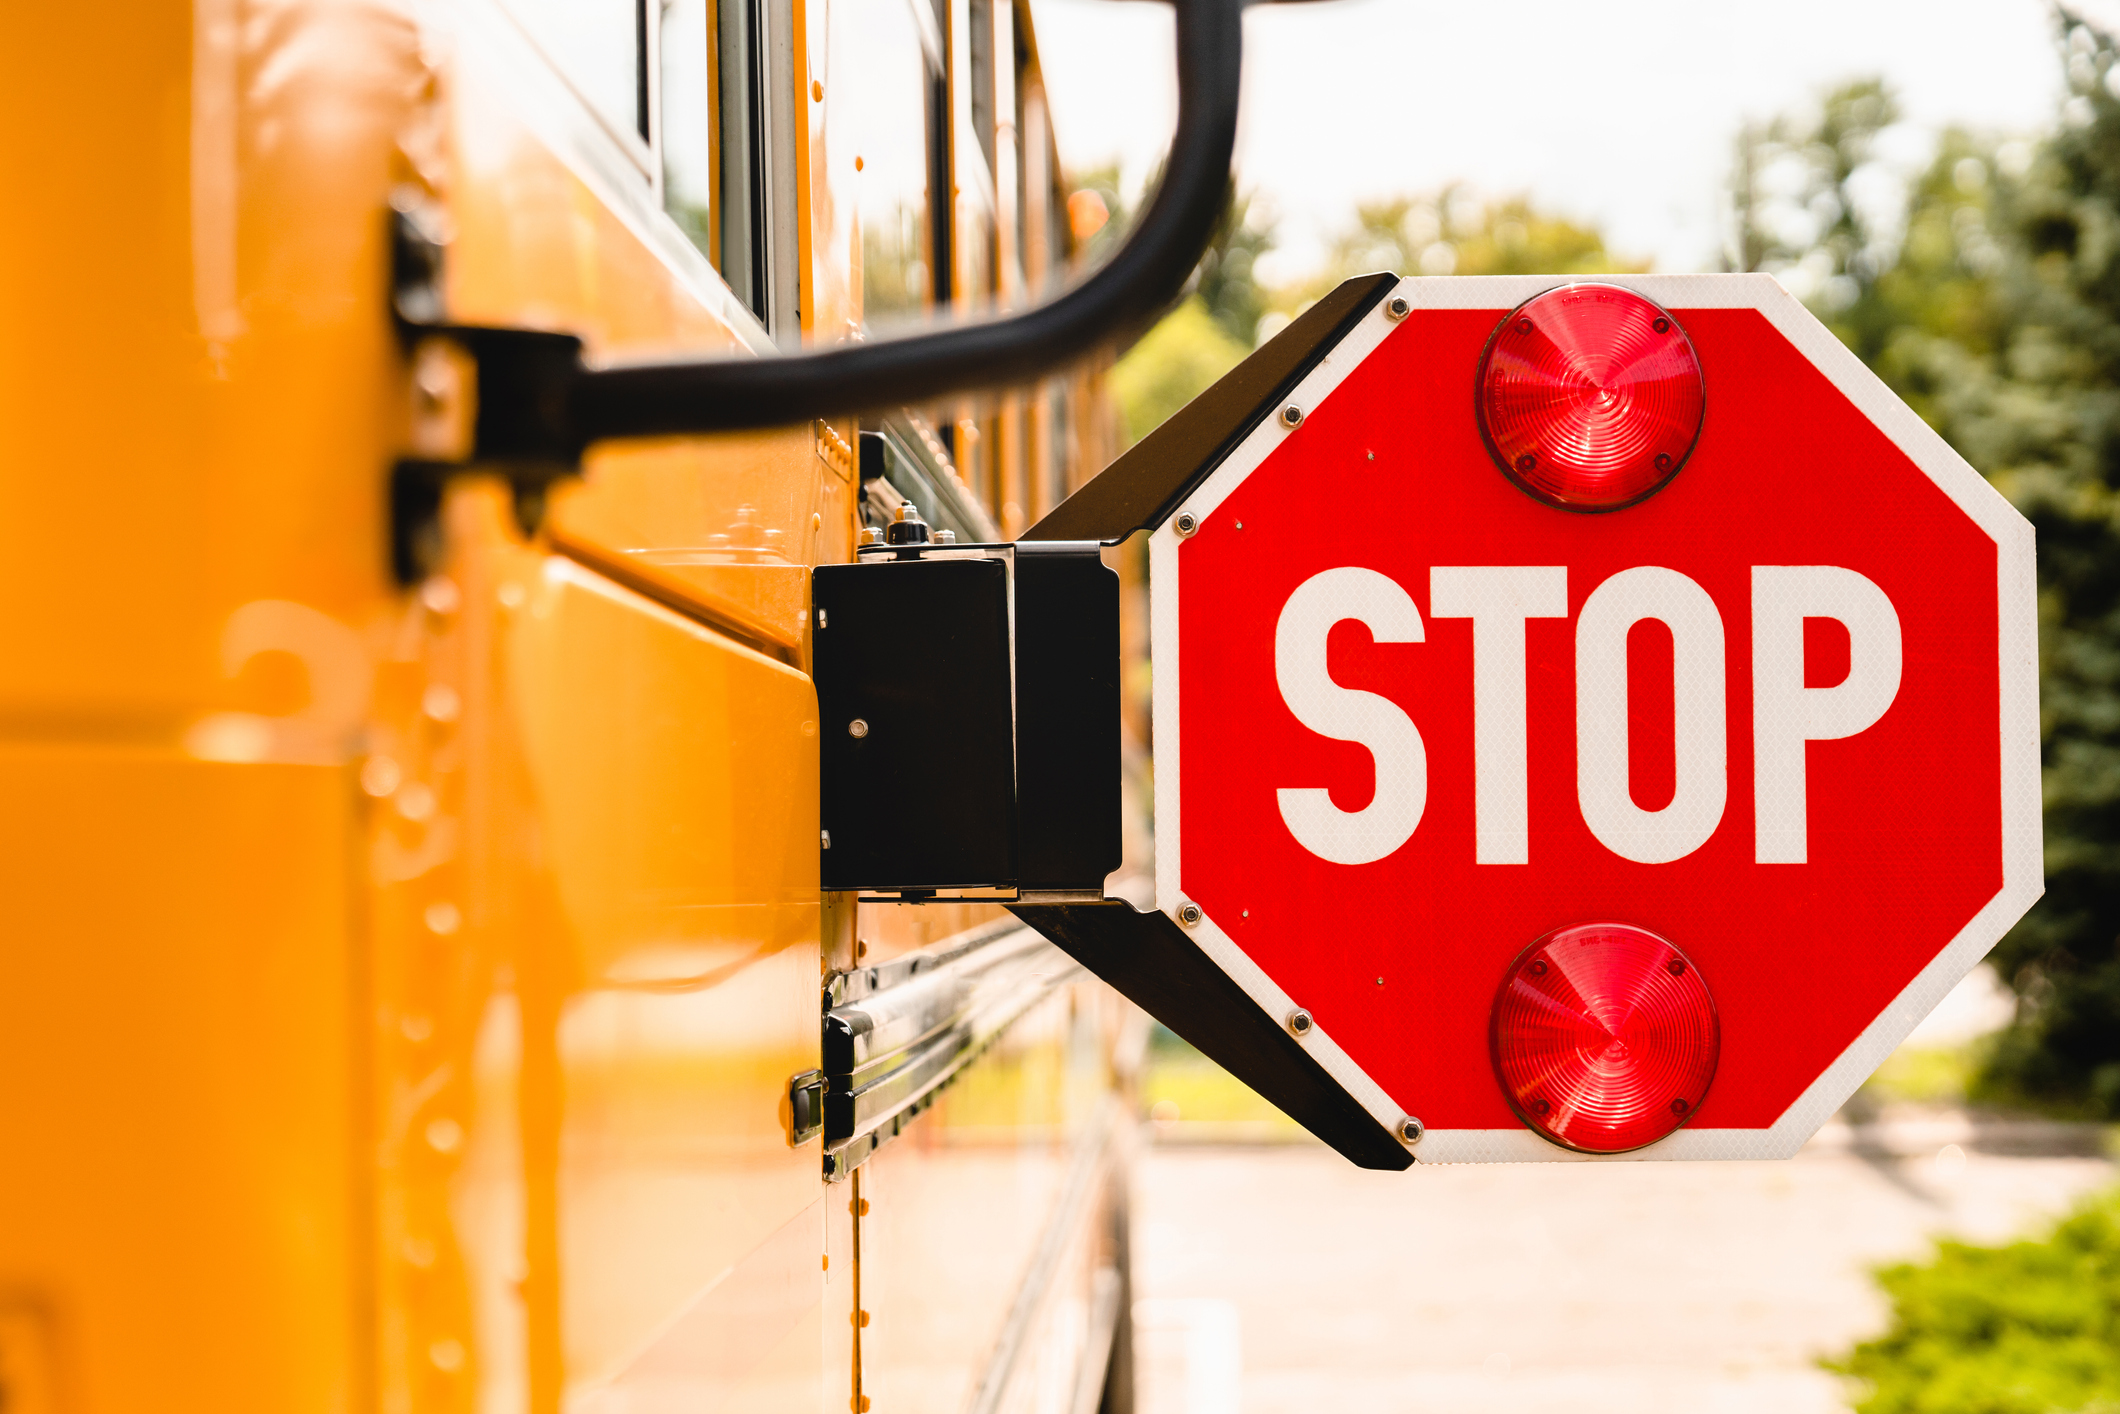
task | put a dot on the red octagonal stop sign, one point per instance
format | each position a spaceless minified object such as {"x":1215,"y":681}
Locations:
{"x":1440,"y":755}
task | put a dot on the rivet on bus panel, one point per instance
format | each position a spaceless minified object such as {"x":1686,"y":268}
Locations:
{"x":380,"y":776}
{"x":440,"y":595}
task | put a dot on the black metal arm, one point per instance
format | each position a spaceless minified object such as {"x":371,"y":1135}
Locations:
{"x":1149,"y":269}
{"x":540,"y":403}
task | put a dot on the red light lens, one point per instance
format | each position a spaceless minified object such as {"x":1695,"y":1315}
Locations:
{"x":1590,"y":397}
{"x":1604,"y":1037}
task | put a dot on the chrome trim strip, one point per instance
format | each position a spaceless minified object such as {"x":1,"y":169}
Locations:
{"x":492,"y":41}
{"x":888,"y":1052}
{"x":1092,"y":1159}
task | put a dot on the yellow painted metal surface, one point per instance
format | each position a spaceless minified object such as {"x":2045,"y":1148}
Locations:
{"x":680,"y":811}
{"x":961,"y":1204}
{"x":198,"y":395}
{"x":177,"y":1074}
{"x":724,"y":526}
{"x":29,"y":1370}
{"x":401,"y":985}
{"x":597,"y":960}
{"x":200,"y":389}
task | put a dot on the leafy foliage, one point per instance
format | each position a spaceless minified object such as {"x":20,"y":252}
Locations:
{"x":1997,"y":315}
{"x":1171,"y":365}
{"x":1799,"y":190}
{"x":2032,"y":1327}
{"x":2042,"y":415}
{"x":1227,"y":286}
{"x":1454,"y":232}
{"x":1227,"y":310}
{"x":1207,"y":332}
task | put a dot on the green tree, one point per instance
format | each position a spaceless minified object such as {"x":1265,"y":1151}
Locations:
{"x":1800,"y":211}
{"x":1995,"y":310}
{"x":1206,"y":333}
{"x":1227,"y":286}
{"x":2036,"y":405}
{"x":1172,"y":364}
{"x":1453,"y":232}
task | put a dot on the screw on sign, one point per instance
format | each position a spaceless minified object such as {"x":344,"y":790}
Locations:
{"x":1603,"y":713}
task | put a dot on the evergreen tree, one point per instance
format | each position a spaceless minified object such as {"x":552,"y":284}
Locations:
{"x":2038,"y":409}
{"x":1996,"y":314}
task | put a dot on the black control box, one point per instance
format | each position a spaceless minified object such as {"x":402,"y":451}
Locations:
{"x":969,"y":715}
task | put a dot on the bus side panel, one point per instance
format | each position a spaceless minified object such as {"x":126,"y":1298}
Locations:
{"x":674,"y":780}
{"x":179,"y":1205}
{"x":726,"y":525}
{"x":200,"y":387}
{"x":987,"y":1221}
{"x":201,"y":393}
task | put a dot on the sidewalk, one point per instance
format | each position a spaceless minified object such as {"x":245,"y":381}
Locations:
{"x":1278,"y":1278}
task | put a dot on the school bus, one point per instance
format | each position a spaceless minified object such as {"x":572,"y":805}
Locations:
{"x":416,"y":990}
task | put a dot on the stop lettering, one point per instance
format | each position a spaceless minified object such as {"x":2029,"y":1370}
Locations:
{"x":1585,"y":805}
{"x":1499,"y":600}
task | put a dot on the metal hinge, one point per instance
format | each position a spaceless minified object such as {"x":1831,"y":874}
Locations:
{"x":969,"y":696}
{"x":895,"y":1036}
{"x":493,"y":400}
{"x":805,"y":1107}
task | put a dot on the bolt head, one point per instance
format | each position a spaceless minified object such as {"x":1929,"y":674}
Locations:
{"x":1411,"y":1130}
{"x":857,"y":729}
{"x":1299,"y":1022}
{"x":1189,"y":914}
{"x":1397,"y":307}
{"x":1291,"y":415}
{"x":1187,"y":523}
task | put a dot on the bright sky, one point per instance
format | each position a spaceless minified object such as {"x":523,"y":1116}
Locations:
{"x":1624,"y":115}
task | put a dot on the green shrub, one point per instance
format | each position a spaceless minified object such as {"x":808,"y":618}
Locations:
{"x":2031,"y":1327}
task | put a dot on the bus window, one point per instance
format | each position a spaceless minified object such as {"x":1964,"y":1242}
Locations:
{"x":754,"y":149}
{"x":885,"y":66}
{"x":979,"y":42}
{"x":686,"y":130}
{"x":741,"y":116}
{"x":975,"y":240}
{"x":971,"y":223}
{"x":598,"y":45}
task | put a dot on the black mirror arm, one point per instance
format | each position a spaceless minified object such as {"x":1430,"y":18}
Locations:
{"x":540,"y":402}
{"x":1149,"y":270}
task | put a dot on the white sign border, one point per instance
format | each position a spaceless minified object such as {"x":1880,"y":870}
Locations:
{"x":2023,"y":878}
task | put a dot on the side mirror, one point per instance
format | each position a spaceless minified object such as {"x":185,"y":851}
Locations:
{"x":539,"y":405}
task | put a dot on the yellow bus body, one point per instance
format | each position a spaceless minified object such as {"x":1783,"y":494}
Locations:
{"x":401,"y":986}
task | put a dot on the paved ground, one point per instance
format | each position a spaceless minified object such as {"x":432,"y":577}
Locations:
{"x":1279,"y":1279}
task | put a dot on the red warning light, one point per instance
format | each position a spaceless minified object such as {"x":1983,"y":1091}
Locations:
{"x":1590,"y":397}
{"x":1604,"y":1037}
